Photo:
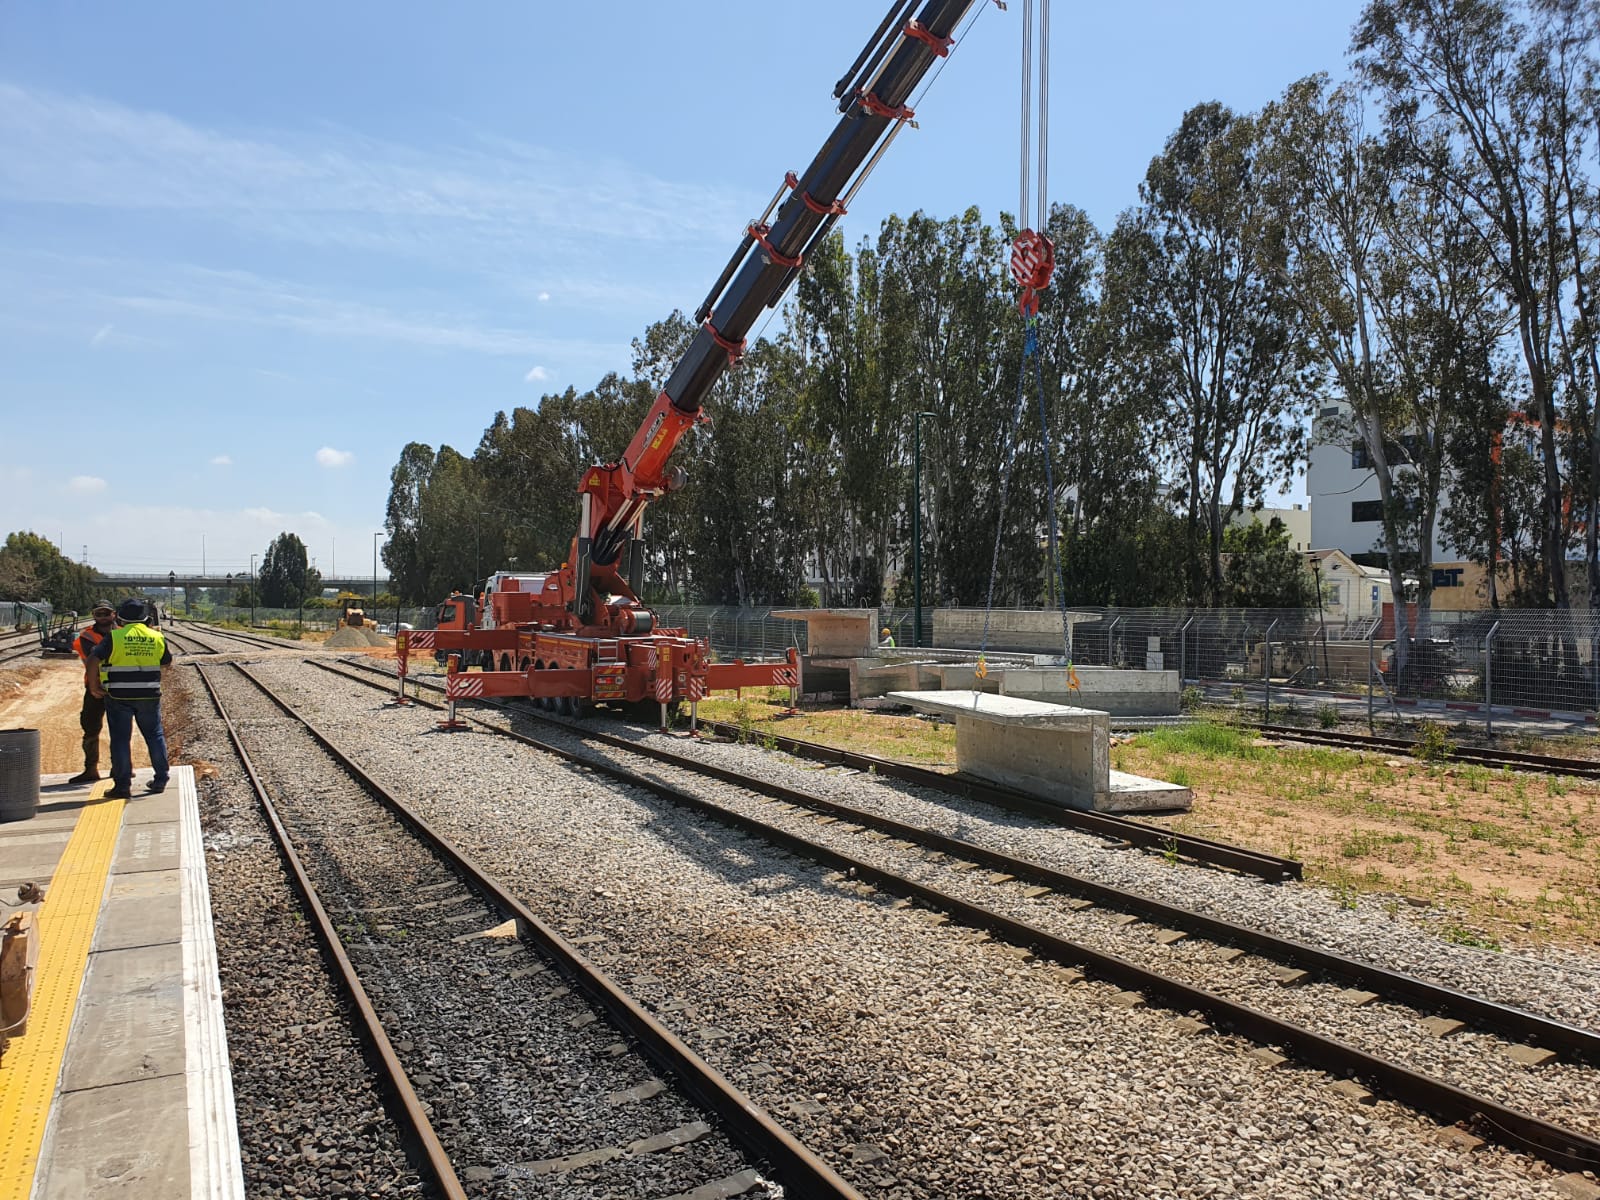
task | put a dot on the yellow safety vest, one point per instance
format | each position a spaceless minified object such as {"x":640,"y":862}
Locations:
{"x":132,"y":671}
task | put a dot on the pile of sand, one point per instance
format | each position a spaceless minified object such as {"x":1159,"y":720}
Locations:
{"x":347,"y":638}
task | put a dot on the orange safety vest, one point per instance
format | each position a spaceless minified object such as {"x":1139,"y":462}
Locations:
{"x":86,"y":641}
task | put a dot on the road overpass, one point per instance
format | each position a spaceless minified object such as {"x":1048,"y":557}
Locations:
{"x":344,"y":583}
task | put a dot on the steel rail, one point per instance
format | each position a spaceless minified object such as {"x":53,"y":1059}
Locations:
{"x":249,"y":639}
{"x":425,"y":1142}
{"x":1556,"y":1145}
{"x":1270,"y":867}
{"x":803,"y":1173}
{"x":1425,"y":995}
{"x":1512,"y":759}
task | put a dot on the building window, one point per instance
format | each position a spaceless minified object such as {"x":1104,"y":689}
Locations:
{"x":1333,"y":595}
{"x":1358,"y":456}
{"x":1364,"y":512}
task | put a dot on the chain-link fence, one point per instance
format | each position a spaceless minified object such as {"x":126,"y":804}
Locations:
{"x":318,"y":619}
{"x":24,"y":616}
{"x":1532,"y":660}
{"x":1522,"y":663}
{"x":1525,"y":662}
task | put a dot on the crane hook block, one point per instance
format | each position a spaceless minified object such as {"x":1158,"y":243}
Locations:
{"x":1033,"y":260}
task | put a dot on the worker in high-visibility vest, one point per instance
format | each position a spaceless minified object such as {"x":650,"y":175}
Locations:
{"x":92,"y":713}
{"x":125,"y":669}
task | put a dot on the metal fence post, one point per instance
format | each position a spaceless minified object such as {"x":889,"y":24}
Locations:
{"x":1111,"y":642}
{"x":1266,"y":677}
{"x":1488,"y":680}
{"x":1183,"y":649}
{"x":1372,"y":665}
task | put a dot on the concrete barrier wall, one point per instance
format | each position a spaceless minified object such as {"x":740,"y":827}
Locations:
{"x":1031,"y":631}
{"x":1121,"y":693}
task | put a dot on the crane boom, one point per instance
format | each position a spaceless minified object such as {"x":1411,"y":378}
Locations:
{"x":872,"y":101}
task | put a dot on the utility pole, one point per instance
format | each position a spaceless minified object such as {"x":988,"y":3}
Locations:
{"x":252,"y":591}
{"x":375,"y":538}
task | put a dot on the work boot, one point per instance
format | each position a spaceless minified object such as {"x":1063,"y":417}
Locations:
{"x":118,"y":793}
{"x":87,"y":775}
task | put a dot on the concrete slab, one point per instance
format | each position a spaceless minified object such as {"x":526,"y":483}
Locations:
{"x":141,"y":909}
{"x":144,"y":1099}
{"x":836,"y":632}
{"x":106,"y":1144}
{"x":147,"y":847}
{"x":131,"y":1012}
{"x":999,"y":709}
{"x":1057,"y":752}
{"x":1137,"y":794}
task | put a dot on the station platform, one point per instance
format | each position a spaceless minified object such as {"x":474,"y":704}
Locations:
{"x":121,"y":1084}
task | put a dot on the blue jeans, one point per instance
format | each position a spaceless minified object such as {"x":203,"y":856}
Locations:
{"x":120,"y":718}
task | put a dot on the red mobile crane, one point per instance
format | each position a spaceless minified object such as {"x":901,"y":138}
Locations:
{"x":580,"y":633}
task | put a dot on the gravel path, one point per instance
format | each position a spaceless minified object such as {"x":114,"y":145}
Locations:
{"x":924,"y":1061}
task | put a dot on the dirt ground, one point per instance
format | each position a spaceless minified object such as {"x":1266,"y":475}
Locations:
{"x":46,"y":696}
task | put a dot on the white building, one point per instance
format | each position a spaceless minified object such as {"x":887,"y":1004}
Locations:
{"x":1346,"y":507}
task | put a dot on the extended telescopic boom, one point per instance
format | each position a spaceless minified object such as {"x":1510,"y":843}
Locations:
{"x":872,"y":97}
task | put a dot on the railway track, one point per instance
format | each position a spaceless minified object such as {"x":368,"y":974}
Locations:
{"x":1254,"y":984}
{"x":1512,"y":760}
{"x":353,"y":859}
{"x":1116,"y":829}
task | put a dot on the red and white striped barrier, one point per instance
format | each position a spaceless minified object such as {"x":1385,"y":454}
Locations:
{"x":786,"y":677}
{"x":422,"y":639}
{"x":663,"y":690}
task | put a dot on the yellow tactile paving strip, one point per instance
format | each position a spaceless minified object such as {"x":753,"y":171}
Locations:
{"x":67,"y":920}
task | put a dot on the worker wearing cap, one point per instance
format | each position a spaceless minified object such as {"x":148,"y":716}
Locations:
{"x":93,"y":713}
{"x":125,"y":669}
{"x":888,"y":638}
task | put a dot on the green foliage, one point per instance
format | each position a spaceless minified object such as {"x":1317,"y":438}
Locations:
{"x":1205,"y":738}
{"x":1327,"y":715}
{"x":1434,"y":744}
{"x":1191,"y":699}
{"x":1264,"y":570}
{"x":31,"y":568}
{"x":285,"y":577}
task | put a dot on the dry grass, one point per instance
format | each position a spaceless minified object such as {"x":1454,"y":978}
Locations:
{"x":1501,"y":856}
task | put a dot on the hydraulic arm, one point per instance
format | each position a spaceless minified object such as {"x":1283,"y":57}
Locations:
{"x":872,"y":98}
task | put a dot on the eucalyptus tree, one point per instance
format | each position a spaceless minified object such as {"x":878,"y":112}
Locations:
{"x":947,"y":295}
{"x":1469,"y":71}
{"x":402,"y":553}
{"x":1213,"y":330}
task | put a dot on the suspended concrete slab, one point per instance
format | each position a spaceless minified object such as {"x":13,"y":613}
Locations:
{"x":1055,"y":752}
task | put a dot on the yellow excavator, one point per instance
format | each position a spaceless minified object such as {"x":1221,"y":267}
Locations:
{"x":351,"y":611}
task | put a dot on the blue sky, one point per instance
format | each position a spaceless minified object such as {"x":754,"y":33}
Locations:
{"x":247,"y":252}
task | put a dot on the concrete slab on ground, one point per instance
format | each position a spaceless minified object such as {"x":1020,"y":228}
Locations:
{"x":1058,"y":753}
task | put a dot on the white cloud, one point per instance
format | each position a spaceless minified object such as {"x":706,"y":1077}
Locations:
{"x":86,"y":483}
{"x":536,"y":375}
{"x":491,"y":198}
{"x":100,"y":336}
{"x":544,"y":295}
{"x":329,"y":457}
{"x":222,"y":460}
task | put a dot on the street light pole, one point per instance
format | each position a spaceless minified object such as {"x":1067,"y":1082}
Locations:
{"x":252,"y":591}
{"x":375,"y":538}
{"x":916,"y":527}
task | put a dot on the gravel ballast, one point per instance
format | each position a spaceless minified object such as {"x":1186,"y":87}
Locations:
{"x":921,"y":1059}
